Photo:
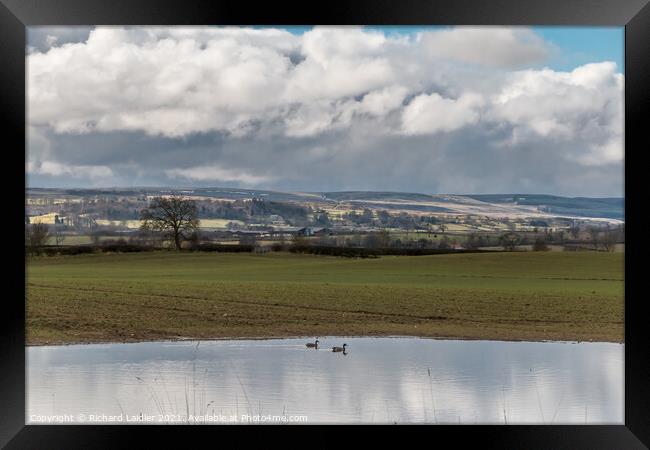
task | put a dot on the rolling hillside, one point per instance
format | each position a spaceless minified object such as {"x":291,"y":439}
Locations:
{"x":491,"y":205}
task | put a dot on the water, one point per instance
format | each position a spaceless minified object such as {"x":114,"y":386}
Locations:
{"x":379,"y":380}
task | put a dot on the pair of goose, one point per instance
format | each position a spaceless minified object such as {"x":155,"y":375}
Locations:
{"x":334,"y":349}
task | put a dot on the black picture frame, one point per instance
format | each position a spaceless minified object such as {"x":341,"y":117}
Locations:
{"x":16,"y":15}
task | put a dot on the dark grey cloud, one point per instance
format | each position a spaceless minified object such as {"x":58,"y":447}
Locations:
{"x":460,"y":162}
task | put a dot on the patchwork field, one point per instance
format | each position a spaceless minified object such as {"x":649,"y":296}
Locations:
{"x":135,"y":224}
{"x":166,"y":295}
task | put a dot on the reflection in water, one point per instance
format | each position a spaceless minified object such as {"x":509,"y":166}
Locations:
{"x":377,"y":380}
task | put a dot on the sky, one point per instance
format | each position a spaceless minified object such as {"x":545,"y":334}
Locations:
{"x":414,"y":109}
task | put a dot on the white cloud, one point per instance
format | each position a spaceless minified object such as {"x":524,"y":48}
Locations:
{"x":490,"y":46}
{"x":429,"y":114}
{"x":182,"y":80}
{"x":584,"y":106}
{"x":165,"y":85}
{"x":217,"y":173}
{"x":381,"y":102}
{"x":54,"y":168}
{"x":177,"y":82}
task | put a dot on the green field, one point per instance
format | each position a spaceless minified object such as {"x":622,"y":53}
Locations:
{"x":167,"y":295}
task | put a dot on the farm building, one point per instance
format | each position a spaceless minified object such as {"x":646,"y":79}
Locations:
{"x":303,"y":231}
{"x":317,"y":231}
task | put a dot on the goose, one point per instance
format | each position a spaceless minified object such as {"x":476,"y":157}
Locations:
{"x":312,"y":344}
{"x":339,"y":349}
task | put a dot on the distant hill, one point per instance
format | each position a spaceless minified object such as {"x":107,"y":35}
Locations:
{"x":505,"y":205}
{"x":611,"y":208}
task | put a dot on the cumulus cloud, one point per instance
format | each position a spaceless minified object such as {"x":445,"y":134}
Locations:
{"x":210,"y":104}
{"x":158,"y":81}
{"x":584,"y":106}
{"x":383,"y":101}
{"x":177,"y":81}
{"x":429,"y":114}
{"x":490,"y":46}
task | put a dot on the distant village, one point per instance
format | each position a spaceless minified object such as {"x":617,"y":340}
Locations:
{"x":92,"y":218}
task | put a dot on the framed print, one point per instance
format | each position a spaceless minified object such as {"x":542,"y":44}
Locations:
{"x":363,"y":214}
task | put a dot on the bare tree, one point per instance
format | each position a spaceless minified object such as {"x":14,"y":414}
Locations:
{"x":540,"y":245}
{"x":37,"y":236}
{"x":58,"y":236}
{"x":593,"y":235}
{"x":248,"y":239}
{"x":377,"y":240}
{"x":608,"y":240}
{"x":174,"y":217}
{"x":298,"y":241}
{"x":472,"y":241}
{"x":195,"y":240}
{"x":94,"y":237}
{"x":509,"y":241}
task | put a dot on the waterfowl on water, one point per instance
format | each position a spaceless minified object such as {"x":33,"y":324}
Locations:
{"x":339,"y":349}
{"x":312,"y":344}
